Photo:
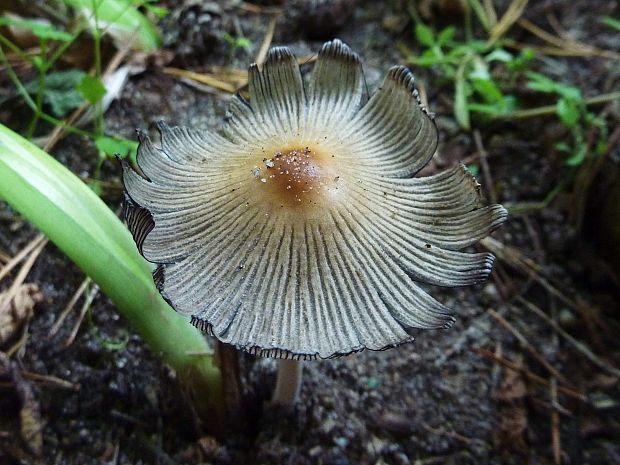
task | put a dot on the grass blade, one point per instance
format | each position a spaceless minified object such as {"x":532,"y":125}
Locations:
{"x":89,"y":233}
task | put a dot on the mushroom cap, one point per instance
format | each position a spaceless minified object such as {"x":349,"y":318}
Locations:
{"x":298,"y":230}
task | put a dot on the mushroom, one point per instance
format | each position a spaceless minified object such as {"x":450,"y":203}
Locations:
{"x":297,"y":230}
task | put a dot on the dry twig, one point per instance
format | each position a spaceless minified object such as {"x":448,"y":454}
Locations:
{"x":579,"y":346}
{"x":486,"y":171}
{"x":264,"y":48}
{"x":85,"y":306}
{"x":564,"y":46}
{"x":531,"y":376}
{"x":10,"y":264}
{"x":21,"y":276}
{"x":50,"y":380}
{"x":526,"y":344}
{"x":512,"y":15}
{"x":78,"y":293}
{"x":518,"y":260}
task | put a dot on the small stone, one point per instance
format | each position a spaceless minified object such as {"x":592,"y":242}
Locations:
{"x":341,"y":442}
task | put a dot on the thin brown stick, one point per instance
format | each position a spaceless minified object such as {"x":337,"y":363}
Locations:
{"x":78,"y":293}
{"x":259,"y":9}
{"x":531,"y":376}
{"x":85,"y":306}
{"x":568,"y":45}
{"x":21,"y":276}
{"x":267,"y":40}
{"x":579,"y":346}
{"x":518,"y":260}
{"x":12,"y":262}
{"x":204,"y":78}
{"x":555,"y":424}
{"x":486,"y":171}
{"x":4,"y":257}
{"x":512,"y":15}
{"x":452,"y":434}
{"x":526,"y":344}
{"x":19,"y":343}
{"x":51,"y":380}
{"x":551,"y":407}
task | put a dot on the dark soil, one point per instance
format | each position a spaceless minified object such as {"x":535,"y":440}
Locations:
{"x":433,"y":402}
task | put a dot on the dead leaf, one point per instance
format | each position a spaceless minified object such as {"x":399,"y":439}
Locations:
{"x":513,"y":423}
{"x":31,"y":425}
{"x":513,"y":418}
{"x":19,"y":310}
{"x":512,"y":386}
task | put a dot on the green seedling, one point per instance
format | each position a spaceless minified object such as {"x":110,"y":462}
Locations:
{"x":572,"y":112}
{"x":472,"y":66}
{"x":53,"y":94}
{"x":110,"y":147}
{"x":60,"y":95}
{"x":235,"y":44}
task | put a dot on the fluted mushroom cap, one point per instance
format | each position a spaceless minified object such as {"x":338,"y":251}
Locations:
{"x":297,"y":229}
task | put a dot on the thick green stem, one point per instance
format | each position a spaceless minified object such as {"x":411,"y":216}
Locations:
{"x":89,"y":233}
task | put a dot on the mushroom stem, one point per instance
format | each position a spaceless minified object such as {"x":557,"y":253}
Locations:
{"x":288,"y":383}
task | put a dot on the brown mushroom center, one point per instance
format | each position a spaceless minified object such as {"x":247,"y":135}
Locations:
{"x":296,"y":177}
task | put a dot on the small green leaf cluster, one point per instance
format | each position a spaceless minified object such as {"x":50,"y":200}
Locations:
{"x":572,"y":112}
{"x":55,"y":92}
{"x":235,"y":44}
{"x":481,"y":71}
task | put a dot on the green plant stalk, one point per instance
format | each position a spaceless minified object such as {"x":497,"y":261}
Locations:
{"x":40,"y":89}
{"x":33,"y":106}
{"x":99,"y":128}
{"x":89,"y":233}
{"x":551,"y":109}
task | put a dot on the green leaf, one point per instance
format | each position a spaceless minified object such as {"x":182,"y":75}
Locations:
{"x":158,"y":11}
{"x":38,"y":28}
{"x":424,"y":35}
{"x":611,"y":22}
{"x":568,"y":112}
{"x":504,"y":107}
{"x":481,"y":69}
{"x":60,"y":91}
{"x":461,"y":112}
{"x":446,"y":35}
{"x":499,"y":54}
{"x":578,"y":157}
{"x":488,"y":90}
{"x":473,"y":169}
{"x":38,"y":63}
{"x":562,"y":147}
{"x":84,"y":228}
{"x":542,"y":83}
{"x":521,"y":60}
{"x":111,"y":147}
{"x":122,"y":20}
{"x":91,"y":88}
{"x":477,"y":46}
